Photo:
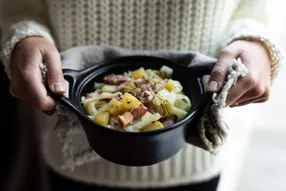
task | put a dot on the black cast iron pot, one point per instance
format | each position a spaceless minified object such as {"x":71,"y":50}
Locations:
{"x":137,"y":148}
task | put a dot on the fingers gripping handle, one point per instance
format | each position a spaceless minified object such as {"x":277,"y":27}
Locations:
{"x":68,"y":98}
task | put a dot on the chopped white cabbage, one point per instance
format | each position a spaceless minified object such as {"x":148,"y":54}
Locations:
{"x":182,"y":102}
{"x":147,"y":119}
{"x":97,"y":85}
{"x":109,"y":88}
{"x":167,"y":71}
{"x":176,"y":111}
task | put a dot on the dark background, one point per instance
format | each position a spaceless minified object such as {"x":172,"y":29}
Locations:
{"x":22,"y":168}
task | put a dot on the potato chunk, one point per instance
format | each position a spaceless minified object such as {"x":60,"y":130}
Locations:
{"x":153,"y":126}
{"x":115,"y":107}
{"x":140,"y":73}
{"x":173,"y":86}
{"x":102,"y":118}
{"x":129,"y":101}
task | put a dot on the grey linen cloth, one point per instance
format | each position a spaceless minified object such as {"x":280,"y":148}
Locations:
{"x":210,"y":134}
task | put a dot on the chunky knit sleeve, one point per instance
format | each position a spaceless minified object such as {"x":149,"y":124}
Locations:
{"x":251,"y":22}
{"x":21,"y":19}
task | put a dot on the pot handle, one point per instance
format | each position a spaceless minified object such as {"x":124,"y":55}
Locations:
{"x":200,"y":70}
{"x":71,"y":76}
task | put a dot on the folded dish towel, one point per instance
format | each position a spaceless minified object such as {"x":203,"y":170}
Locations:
{"x":210,"y":134}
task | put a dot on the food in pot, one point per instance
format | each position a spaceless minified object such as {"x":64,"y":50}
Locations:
{"x":136,"y":101}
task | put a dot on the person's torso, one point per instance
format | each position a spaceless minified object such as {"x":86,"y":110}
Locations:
{"x":142,"y":24}
{"x":197,"y":25}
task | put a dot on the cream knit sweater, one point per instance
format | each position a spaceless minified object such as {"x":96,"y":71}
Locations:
{"x":200,"y":25}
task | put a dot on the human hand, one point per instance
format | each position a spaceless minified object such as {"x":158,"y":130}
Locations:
{"x":26,"y":83}
{"x":255,"y":86}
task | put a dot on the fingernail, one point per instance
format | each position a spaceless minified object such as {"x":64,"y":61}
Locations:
{"x":59,"y":87}
{"x":212,"y":86}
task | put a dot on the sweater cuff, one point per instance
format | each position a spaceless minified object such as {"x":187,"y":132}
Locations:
{"x":15,"y":34}
{"x":275,"y":53}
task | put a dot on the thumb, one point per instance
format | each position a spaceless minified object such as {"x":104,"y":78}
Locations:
{"x":55,"y":76}
{"x":219,"y":71}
